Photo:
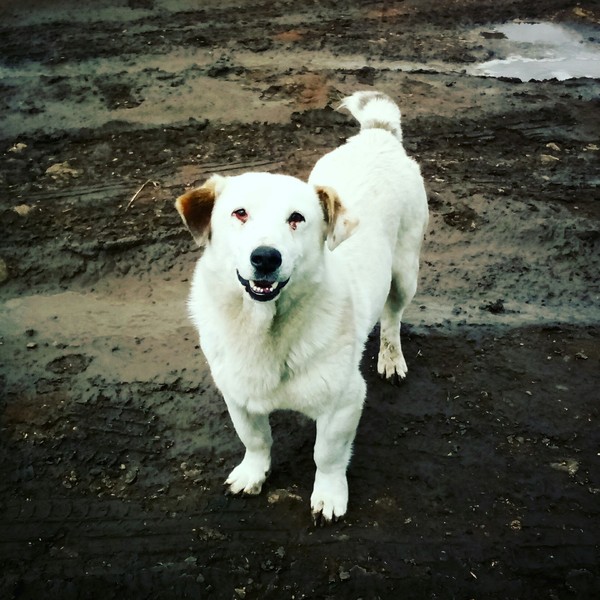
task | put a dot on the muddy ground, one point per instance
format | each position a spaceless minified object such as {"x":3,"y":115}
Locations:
{"x":477,"y":478}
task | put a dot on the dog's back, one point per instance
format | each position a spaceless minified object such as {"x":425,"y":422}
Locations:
{"x":381,"y":188}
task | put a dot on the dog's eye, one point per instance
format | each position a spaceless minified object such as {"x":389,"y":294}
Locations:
{"x":294,"y":219}
{"x":240,"y":214}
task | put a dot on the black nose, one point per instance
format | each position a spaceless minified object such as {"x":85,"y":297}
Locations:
{"x":265,"y":259}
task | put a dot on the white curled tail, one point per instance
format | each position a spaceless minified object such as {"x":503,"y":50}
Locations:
{"x":374,"y":110}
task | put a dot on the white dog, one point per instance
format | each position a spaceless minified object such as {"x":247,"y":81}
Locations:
{"x":293,"y":278}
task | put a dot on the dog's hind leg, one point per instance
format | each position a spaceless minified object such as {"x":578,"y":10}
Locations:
{"x":391,"y":364}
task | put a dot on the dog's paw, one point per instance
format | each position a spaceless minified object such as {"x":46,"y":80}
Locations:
{"x":391,"y":364}
{"x":329,"y":499}
{"x":248,"y":477}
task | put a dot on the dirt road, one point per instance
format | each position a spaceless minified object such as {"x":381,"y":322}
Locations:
{"x":477,"y":478}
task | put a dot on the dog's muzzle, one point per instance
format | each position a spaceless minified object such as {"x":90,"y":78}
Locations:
{"x":262,"y":290}
{"x":265,"y":260}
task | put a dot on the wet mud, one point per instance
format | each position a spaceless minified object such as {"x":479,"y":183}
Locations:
{"x":479,"y":477}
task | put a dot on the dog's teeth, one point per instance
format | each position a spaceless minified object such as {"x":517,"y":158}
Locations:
{"x":264,"y":290}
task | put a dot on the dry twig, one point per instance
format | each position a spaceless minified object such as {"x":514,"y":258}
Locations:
{"x":135,"y":196}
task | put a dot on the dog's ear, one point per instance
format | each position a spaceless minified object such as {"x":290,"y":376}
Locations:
{"x":195,"y":208}
{"x":339,"y":225}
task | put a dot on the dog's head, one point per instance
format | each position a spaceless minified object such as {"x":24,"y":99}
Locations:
{"x":266,"y":229}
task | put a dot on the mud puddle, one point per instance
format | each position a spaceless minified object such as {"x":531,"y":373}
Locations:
{"x":542,"y":51}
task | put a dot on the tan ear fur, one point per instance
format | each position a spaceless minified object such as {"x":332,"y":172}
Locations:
{"x":195,"y":208}
{"x":339,"y":226}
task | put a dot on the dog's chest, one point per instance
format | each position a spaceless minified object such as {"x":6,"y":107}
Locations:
{"x":270,"y":369}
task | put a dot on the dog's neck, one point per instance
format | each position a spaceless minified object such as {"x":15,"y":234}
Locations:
{"x":292,"y":301}
{"x":265,"y":318}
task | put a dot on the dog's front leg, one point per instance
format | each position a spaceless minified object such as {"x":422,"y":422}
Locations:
{"x":254,"y":431}
{"x":333,"y":448}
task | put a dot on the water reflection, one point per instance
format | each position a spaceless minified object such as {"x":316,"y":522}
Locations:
{"x":544,"y":51}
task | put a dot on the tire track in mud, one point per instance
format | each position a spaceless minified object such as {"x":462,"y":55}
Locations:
{"x":511,"y":531}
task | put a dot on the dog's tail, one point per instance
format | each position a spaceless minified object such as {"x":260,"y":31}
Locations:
{"x":374,"y":110}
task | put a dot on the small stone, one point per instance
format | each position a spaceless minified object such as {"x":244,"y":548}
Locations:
{"x":568,"y":465}
{"x":18,"y":148}
{"x":496,"y":308}
{"x":282,"y":494}
{"x":131,"y":476}
{"x":22,"y":210}
{"x":548,"y":158}
{"x":62,"y":171}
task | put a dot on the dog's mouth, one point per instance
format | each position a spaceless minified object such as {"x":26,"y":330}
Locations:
{"x":262,"y":290}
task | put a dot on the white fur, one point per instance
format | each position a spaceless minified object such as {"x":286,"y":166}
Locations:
{"x":302,"y":350}
{"x":372,"y":108}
